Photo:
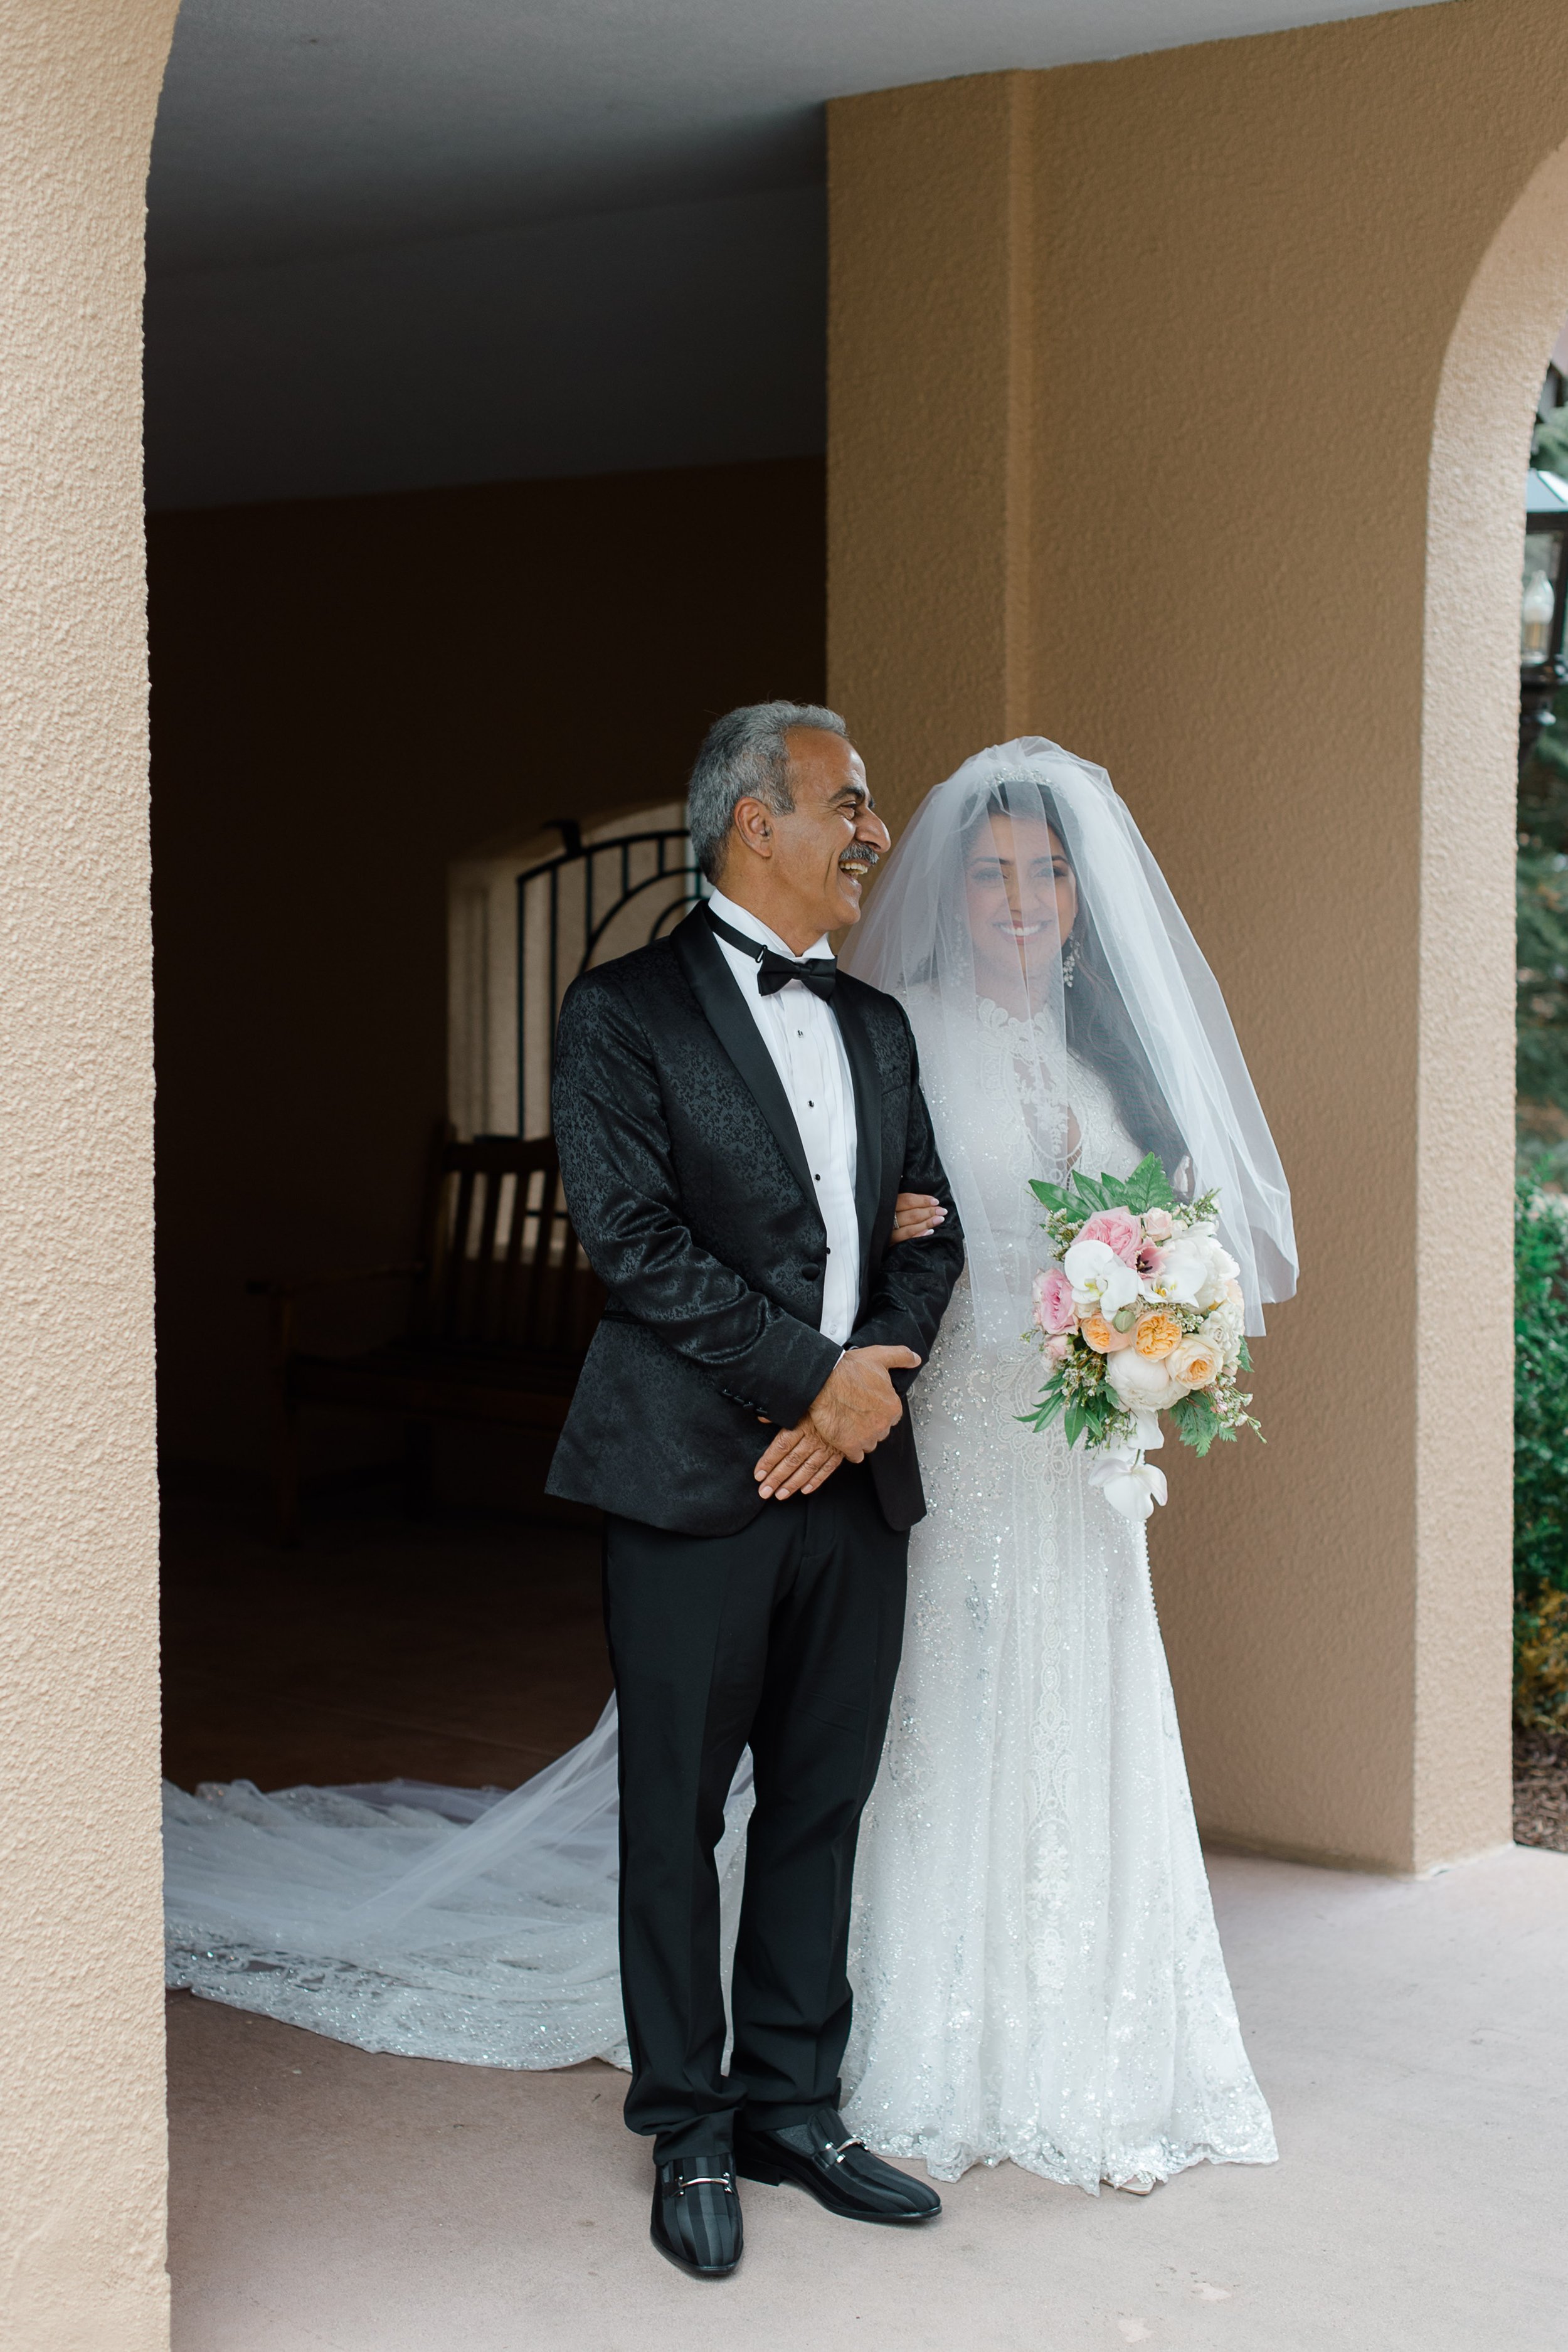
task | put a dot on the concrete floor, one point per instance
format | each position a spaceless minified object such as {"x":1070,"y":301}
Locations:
{"x":1413,"y":2039}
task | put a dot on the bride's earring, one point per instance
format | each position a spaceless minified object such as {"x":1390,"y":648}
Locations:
{"x":1069,"y":964}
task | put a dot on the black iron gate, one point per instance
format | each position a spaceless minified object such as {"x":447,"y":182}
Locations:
{"x":595,"y":900}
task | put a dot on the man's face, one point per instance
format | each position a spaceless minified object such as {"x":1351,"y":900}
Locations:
{"x":832,"y":838}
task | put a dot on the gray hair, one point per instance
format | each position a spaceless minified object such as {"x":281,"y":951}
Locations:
{"x":744,"y":756}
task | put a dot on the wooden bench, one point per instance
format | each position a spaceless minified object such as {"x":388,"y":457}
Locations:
{"x":504,"y":1304}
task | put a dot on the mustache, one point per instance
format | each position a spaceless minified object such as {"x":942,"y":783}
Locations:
{"x":860,"y":853}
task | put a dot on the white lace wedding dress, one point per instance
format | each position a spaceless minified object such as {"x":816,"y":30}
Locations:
{"x":1036,"y":1970}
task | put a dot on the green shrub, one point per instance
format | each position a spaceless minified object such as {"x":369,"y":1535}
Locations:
{"x":1541,"y":1457}
{"x":1541,"y":958}
{"x":1541,"y":1211}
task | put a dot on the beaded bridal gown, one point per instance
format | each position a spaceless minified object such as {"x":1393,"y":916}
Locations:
{"x":1036,"y":1970}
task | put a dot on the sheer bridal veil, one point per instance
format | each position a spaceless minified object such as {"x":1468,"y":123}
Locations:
{"x":1139,"y":1005}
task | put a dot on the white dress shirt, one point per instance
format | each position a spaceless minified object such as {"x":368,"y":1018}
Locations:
{"x":803,"y":1039}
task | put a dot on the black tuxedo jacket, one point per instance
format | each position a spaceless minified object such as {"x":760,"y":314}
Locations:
{"x":689,"y":1187}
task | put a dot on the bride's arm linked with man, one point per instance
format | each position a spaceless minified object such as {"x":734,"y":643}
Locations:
{"x":736,"y":1119}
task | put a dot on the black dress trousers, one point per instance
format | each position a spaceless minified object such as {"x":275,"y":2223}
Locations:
{"x":786,"y":1635}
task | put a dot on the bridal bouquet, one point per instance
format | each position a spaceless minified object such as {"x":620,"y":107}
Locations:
{"x":1140,"y":1315}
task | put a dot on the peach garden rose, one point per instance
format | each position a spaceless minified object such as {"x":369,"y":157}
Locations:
{"x":1157,"y":1335}
{"x":1196,"y":1363}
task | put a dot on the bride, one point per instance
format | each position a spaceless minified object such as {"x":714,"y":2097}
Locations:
{"x":1037,"y":1971}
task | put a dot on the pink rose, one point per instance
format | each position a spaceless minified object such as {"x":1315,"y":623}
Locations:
{"x":1057,"y":1347}
{"x":1054,"y":1309}
{"x":1119,"y":1229}
{"x":1157,"y":1224}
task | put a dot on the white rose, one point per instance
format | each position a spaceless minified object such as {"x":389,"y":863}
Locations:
{"x":1142,"y":1383}
{"x":1222,"y":1330}
{"x":1222,"y":1272}
{"x":1102,"y":1284}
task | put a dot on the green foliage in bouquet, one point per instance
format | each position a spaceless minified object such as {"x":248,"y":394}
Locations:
{"x":1085,"y":1400}
{"x":1541,"y":1457}
{"x":1147,"y":1187}
{"x":1197,"y":1425}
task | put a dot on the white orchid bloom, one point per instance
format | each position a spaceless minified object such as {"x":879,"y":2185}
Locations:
{"x":1131,"y":1487}
{"x":1194,"y":1271}
{"x":1184,"y":1271}
{"x":1101,"y":1282}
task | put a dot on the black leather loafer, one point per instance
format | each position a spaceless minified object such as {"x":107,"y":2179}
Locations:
{"x":696,"y":2220}
{"x":821,"y":2157}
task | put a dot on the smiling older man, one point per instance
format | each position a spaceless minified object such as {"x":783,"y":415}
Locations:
{"x":735,"y":1118}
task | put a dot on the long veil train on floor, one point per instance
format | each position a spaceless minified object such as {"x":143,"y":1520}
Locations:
{"x":466,"y":1923}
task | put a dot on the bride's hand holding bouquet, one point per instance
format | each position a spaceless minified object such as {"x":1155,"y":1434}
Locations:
{"x":1140,"y":1314}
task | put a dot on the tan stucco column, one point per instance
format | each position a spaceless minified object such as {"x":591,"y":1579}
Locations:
{"x":81,"y":2045}
{"x":1179,"y":410}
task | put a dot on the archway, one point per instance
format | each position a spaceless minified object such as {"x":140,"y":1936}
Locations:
{"x":1510,"y":321}
{"x":83,"y":2134}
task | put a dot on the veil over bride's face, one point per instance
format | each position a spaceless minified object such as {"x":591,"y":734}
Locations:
{"x":1024,"y":852}
{"x":1021,"y":903}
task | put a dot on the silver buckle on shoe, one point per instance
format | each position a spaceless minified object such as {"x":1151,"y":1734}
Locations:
{"x":839,"y":2153}
{"x":706,"y":2181}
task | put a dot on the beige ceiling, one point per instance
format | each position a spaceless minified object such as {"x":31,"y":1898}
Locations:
{"x":290,"y":127}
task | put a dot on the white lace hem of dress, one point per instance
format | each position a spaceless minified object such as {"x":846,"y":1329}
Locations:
{"x":1152,"y":2161}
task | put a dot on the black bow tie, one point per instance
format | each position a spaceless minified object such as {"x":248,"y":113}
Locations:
{"x":818,"y":973}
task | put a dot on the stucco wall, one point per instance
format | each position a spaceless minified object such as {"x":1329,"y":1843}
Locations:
{"x":81,"y":2107}
{"x":1134,"y":376}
